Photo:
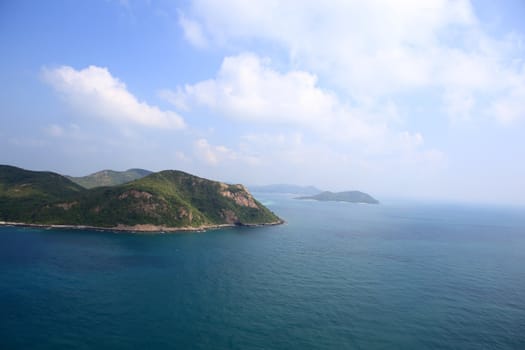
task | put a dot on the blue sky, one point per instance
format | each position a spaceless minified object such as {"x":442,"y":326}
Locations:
{"x":420,"y":99}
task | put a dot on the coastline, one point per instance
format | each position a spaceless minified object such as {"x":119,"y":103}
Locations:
{"x":140,"y":228}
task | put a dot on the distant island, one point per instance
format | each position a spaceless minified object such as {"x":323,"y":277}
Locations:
{"x":347,"y":196}
{"x":312,"y":192}
{"x":169,"y":200}
{"x":285,"y":188}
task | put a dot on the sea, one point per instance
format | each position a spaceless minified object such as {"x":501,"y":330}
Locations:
{"x":399,"y":275}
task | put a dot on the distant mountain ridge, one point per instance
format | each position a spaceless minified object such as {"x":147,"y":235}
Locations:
{"x":286,"y":188}
{"x":169,"y":200}
{"x":346,"y":196}
{"x":109,"y":177}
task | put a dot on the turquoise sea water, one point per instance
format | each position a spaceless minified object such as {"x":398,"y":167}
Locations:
{"x":335,"y":276}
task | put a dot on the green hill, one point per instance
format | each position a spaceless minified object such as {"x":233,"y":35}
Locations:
{"x":21,"y":191}
{"x":160,"y":201}
{"x":109,"y":177}
{"x":347,"y":196}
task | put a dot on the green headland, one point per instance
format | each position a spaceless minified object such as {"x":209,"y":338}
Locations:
{"x":169,"y":200}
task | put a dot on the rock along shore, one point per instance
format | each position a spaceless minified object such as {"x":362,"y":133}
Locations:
{"x":141,"y":228}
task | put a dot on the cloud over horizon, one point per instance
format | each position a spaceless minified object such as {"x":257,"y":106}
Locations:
{"x":247,"y":90}
{"x":94,"y":92}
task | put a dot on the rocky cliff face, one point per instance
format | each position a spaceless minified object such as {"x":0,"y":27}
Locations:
{"x":241,"y":196}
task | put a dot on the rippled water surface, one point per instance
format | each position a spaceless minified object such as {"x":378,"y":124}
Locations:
{"x":335,"y":276}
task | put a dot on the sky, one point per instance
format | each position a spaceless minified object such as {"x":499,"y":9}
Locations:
{"x":399,"y":98}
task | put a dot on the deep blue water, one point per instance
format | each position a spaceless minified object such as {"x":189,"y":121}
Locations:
{"x":336,"y":276}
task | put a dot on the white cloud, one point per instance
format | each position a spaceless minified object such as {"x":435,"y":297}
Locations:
{"x":93,"y":91}
{"x":365,"y":46}
{"x":509,"y":109}
{"x":248,"y":89}
{"x":192,"y":31}
{"x":176,"y":98}
{"x":380,"y":48}
{"x":211,"y":154}
{"x":510,"y":106}
{"x":221,"y":155}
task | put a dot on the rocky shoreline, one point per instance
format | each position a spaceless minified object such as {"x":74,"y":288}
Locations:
{"x":141,"y":228}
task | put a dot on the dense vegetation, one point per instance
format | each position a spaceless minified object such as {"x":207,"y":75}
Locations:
{"x":347,"y":196}
{"x":109,"y":177}
{"x":168,"y":198}
{"x":21,"y":191}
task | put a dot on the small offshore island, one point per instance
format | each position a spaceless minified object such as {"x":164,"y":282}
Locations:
{"x":347,"y":196}
{"x":166,"y":201}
